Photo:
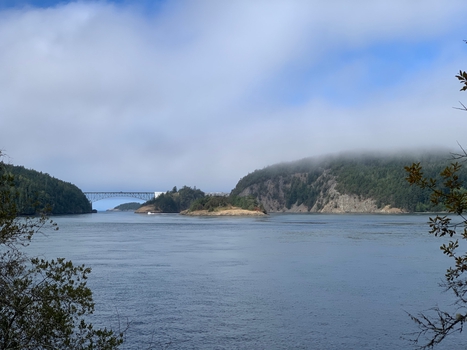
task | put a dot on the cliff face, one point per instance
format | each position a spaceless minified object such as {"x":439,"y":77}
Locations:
{"x":360,"y":184}
{"x":273,"y":195}
{"x":344,"y":203}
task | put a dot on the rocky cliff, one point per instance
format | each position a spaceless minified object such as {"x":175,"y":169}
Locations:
{"x":364,"y":184}
{"x":329,"y":200}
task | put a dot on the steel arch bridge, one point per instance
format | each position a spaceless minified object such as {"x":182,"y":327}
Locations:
{"x":97,"y":196}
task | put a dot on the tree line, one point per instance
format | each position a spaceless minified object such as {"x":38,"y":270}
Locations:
{"x":36,"y":192}
{"x":44,"y":304}
{"x":370,"y":176}
{"x":176,"y":200}
{"x":193,"y":199}
{"x":213,"y":203}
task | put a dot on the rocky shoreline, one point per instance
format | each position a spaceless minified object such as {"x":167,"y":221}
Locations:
{"x":329,"y":200}
{"x":146,"y":210}
{"x":233,"y":211}
{"x":230,"y":211}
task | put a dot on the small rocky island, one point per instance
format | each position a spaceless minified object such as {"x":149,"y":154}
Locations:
{"x":352,"y":183}
{"x":224,"y":211}
{"x":194,"y":202}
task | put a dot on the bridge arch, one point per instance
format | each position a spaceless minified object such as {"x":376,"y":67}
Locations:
{"x":97,"y":196}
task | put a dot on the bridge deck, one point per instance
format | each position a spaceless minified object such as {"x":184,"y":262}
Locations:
{"x":97,"y":196}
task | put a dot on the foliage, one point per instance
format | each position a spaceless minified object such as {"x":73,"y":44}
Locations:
{"x":247,"y":203}
{"x":212,"y":203}
{"x":36,"y":192}
{"x":165,"y":203}
{"x":186,"y":196}
{"x":176,"y":201}
{"x":379,"y":177}
{"x":448,"y":191}
{"x":277,"y":171}
{"x":128,"y":206}
{"x":304,"y":192}
{"x":382,"y":178}
{"x":43,"y":304}
{"x":462,"y":76}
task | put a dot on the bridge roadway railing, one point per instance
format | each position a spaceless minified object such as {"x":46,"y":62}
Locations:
{"x":97,"y":196}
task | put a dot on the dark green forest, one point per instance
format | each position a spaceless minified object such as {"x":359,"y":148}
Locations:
{"x":128,"y":206}
{"x":176,"y":200}
{"x":36,"y":192}
{"x":192,"y":199}
{"x":211,"y":203}
{"x":378,"y":177}
{"x":307,"y":181}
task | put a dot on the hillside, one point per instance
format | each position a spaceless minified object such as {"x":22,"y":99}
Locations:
{"x":365,"y":183}
{"x":132,"y":206}
{"x":36,"y":192}
{"x":191,"y":201}
{"x":173,"y":201}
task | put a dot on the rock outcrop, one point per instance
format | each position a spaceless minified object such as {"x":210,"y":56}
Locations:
{"x":344,"y":203}
{"x":272,"y":195}
{"x":146,"y":209}
{"x":231,"y":211}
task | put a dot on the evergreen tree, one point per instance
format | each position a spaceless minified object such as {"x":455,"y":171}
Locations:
{"x":43,"y":304}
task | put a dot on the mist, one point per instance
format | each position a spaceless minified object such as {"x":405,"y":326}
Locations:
{"x":113,"y":96}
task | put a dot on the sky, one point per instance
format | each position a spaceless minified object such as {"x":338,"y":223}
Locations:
{"x":146,"y":95}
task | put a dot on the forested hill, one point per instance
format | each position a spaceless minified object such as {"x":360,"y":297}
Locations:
{"x":364,"y":183}
{"x":36,"y":191}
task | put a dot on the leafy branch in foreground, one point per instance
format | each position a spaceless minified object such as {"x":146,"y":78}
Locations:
{"x":43,"y":304}
{"x":462,"y":76}
{"x":450,"y":192}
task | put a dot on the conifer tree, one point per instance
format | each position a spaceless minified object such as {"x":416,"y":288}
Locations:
{"x":43,"y":304}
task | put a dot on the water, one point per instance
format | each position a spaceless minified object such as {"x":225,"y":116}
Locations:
{"x":280,"y":282}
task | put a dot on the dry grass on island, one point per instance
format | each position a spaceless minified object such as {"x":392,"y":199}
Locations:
{"x":224,"y":211}
{"x":225,"y":206}
{"x":145,"y":209}
{"x":185,"y":202}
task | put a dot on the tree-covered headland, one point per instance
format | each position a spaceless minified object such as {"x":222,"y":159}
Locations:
{"x":44,"y":304}
{"x":36,"y":192}
{"x":317,"y":184}
{"x":328,"y":184}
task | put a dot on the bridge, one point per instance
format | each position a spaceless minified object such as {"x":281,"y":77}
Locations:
{"x":97,"y":196}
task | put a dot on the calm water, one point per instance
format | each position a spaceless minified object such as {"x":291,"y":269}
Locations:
{"x":281,"y":282}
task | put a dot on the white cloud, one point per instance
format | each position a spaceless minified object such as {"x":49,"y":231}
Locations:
{"x":109,"y":98}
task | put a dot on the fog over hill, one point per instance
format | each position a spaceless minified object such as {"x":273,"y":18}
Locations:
{"x":367,"y":182}
{"x":120,"y":95}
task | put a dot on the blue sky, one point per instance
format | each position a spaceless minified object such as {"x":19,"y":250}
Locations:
{"x":147,"y":95}
{"x":148,"y":5}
